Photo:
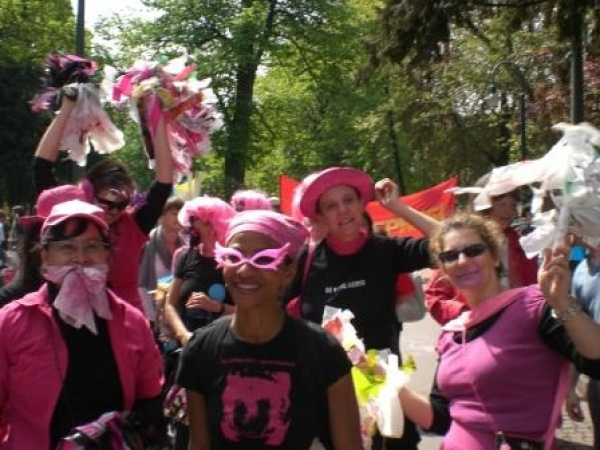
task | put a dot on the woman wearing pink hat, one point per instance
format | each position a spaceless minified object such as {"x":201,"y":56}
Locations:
{"x":29,"y":277}
{"x":351,"y":270}
{"x":72,"y":350}
{"x":109,"y":185}
{"x":259,"y":379}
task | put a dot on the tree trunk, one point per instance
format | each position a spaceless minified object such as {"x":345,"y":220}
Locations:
{"x":239,"y":130}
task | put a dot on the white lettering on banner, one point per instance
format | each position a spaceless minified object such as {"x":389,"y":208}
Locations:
{"x":348,"y":285}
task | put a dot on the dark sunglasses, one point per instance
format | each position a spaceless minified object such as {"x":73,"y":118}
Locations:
{"x":108,"y":205}
{"x":470,"y":251}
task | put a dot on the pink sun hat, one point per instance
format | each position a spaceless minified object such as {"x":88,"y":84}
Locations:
{"x":49,"y":198}
{"x":329,"y":178}
{"x":74,"y":209}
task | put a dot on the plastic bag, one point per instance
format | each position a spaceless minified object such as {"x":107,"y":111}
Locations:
{"x":413,"y":308}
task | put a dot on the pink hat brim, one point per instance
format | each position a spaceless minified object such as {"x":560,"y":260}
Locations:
{"x":28,"y":221}
{"x":335,"y":176}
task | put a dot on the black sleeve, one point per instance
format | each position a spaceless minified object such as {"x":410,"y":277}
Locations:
{"x":334,"y":362}
{"x":180,"y":267}
{"x":151,"y":421}
{"x":200,"y":355}
{"x":441,"y":411}
{"x":554,"y":334}
{"x":43,"y":175}
{"x":147,"y":215}
{"x":411,"y":254}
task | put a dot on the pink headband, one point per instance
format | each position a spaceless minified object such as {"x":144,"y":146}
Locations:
{"x":278,"y":227}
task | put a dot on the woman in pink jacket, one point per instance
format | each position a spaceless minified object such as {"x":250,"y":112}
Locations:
{"x":73,"y":350}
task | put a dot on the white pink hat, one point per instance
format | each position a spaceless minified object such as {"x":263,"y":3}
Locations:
{"x":322,"y":181}
{"x":49,"y":198}
{"x":73,"y":209}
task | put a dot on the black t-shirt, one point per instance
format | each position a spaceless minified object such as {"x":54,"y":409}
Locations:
{"x":363,"y":282}
{"x":198,"y":274}
{"x":263,"y":396}
{"x":92,"y":385}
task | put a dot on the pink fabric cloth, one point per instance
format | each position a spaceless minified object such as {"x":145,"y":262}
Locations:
{"x":33,"y":361}
{"x":82,"y":292}
{"x":346,"y":248}
{"x":127,"y":243}
{"x":278,"y":227}
{"x":506,"y":380}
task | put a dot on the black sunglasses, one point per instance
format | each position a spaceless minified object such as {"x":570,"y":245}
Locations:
{"x":470,"y":251}
{"x":108,"y":205}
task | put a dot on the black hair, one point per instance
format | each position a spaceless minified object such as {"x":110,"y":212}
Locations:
{"x":109,"y":174}
{"x":59,"y":232}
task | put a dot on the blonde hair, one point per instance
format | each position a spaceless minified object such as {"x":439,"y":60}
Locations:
{"x":488,"y":230}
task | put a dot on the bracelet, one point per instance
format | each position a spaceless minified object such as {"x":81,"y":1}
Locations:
{"x":573,"y":309}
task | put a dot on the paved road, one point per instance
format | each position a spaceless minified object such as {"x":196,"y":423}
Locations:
{"x":418,"y":340}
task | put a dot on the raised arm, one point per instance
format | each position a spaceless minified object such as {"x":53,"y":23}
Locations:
{"x":554,"y":279}
{"x":49,"y":146}
{"x":387,"y":193}
{"x":162,"y":153}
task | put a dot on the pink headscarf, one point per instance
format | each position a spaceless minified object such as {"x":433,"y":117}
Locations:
{"x":208,"y":209}
{"x":245,"y":200}
{"x":278,"y":227}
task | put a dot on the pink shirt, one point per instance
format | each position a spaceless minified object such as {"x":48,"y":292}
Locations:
{"x":127,"y":242}
{"x":505,"y":380}
{"x":33,"y":362}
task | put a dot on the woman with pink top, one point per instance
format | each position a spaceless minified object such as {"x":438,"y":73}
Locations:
{"x":73,"y":351}
{"x":503,"y":364}
{"x":109,"y":185}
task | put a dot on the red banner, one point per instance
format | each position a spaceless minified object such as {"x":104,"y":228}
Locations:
{"x":287,"y":186}
{"x":433,"y":202}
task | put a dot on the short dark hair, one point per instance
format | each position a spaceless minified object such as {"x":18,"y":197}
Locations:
{"x":109,"y":174}
{"x":59,"y":232}
{"x":175,"y":203}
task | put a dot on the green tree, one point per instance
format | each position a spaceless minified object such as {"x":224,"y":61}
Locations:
{"x":29,"y":30}
{"x":230,"y":42}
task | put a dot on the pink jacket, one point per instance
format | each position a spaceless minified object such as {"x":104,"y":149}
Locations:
{"x":33,"y":362}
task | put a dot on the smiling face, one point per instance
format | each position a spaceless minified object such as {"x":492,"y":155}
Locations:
{"x":113,"y":203}
{"x":469,"y":273}
{"x":340,"y":210}
{"x":249,"y":286}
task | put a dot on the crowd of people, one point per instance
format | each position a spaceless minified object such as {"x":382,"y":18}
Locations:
{"x":246,"y":363}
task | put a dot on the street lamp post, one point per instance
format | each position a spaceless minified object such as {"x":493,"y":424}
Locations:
{"x":516,"y":69}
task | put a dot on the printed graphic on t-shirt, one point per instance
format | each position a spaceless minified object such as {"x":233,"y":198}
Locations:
{"x":256,"y":401}
{"x":353,"y":284}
